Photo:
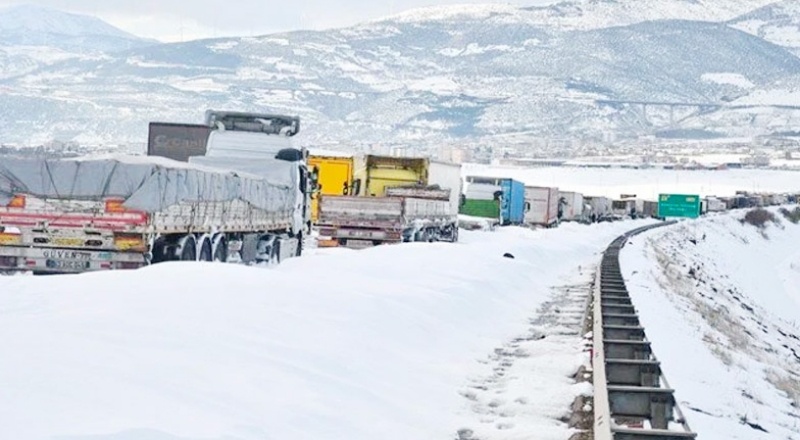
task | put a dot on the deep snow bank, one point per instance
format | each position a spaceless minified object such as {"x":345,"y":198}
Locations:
{"x":343,"y":344}
{"x":721,"y":302}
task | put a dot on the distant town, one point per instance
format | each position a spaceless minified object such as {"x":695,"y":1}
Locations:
{"x":773,"y":152}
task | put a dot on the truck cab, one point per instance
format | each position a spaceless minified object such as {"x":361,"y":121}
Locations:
{"x":374,"y":174}
{"x":257,"y":136}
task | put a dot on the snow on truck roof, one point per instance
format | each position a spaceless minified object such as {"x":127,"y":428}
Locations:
{"x":151,"y":183}
{"x":321,"y":152}
{"x":157,"y":161}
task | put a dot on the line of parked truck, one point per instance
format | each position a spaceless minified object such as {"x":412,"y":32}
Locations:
{"x":505,"y":201}
{"x":231,"y":189}
{"x":234,"y":189}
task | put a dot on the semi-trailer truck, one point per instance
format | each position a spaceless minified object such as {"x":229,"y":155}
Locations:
{"x":482,"y":200}
{"x":600,"y":207}
{"x":541,"y":206}
{"x":572,"y":206}
{"x":394,"y":200}
{"x":246,"y":200}
{"x":509,"y":192}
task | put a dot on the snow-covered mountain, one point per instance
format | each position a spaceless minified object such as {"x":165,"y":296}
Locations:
{"x":587,"y":14}
{"x":466,"y":74}
{"x":778,"y":23}
{"x":31,"y":25}
{"x":33,"y":36}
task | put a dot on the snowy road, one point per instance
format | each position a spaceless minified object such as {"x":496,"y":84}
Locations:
{"x":342,"y":344}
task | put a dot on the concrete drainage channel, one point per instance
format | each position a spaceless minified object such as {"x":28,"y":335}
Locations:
{"x":632,"y":399}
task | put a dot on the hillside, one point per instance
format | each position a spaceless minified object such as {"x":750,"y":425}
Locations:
{"x":720,"y":303}
{"x":34,"y":36}
{"x":462,"y":74}
{"x":777,"y":23}
{"x":569,"y":15}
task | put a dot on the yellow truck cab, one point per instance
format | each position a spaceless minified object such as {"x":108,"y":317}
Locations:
{"x":393,"y":200}
{"x":335,"y":177}
{"x":376,"y":173}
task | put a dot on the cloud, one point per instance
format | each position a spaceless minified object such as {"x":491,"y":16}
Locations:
{"x":174,"y":20}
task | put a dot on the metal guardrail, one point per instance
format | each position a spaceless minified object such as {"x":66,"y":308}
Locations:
{"x":632,"y":399}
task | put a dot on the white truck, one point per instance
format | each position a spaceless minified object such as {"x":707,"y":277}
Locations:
{"x":571,"y":205}
{"x":628,"y":208}
{"x":600,"y":208}
{"x":447,"y":175}
{"x":399,"y":200}
{"x":125,"y":212}
{"x":541,"y":206}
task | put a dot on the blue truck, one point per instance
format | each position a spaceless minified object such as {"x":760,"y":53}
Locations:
{"x":509,"y":192}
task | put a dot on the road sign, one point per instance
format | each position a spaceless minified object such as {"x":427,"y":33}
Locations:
{"x":678,"y":205}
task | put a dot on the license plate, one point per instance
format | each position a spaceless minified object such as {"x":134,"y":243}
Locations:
{"x":69,"y":242}
{"x":62,"y":254}
{"x":357,"y":244}
{"x":68,"y":264}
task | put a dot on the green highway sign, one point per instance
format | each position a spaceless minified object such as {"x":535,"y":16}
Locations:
{"x":678,"y":205}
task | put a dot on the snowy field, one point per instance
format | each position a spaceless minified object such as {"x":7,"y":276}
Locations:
{"x":646,"y":183}
{"x":721,"y":302}
{"x":416,"y":341}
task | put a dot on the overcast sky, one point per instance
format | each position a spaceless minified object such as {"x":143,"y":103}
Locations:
{"x":175,"y":20}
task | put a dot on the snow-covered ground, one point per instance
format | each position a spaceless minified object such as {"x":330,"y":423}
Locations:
{"x":721,"y":302}
{"x":646,"y":183}
{"x":417,"y":341}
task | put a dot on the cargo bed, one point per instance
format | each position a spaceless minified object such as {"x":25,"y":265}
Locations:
{"x":361,"y":221}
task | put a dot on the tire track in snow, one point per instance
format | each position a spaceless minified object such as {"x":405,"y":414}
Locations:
{"x":532,"y":384}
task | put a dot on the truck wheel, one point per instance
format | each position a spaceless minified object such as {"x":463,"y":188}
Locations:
{"x":159,"y":251}
{"x":220,"y":249}
{"x":275,"y":257}
{"x":206,"y":251}
{"x":188,"y":248}
{"x":300,"y":238}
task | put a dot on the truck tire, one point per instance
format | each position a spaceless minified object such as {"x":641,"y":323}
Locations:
{"x":159,"y":252}
{"x":188,"y":248}
{"x":206,"y":253}
{"x":266,"y":249}
{"x":275,"y":258}
{"x":300,"y":238}
{"x":220,"y":247}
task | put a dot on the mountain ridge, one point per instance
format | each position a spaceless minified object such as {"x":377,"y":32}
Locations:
{"x":438,"y":80}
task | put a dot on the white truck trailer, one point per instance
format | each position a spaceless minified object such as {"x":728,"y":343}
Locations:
{"x":572,"y":205}
{"x":447,"y":175}
{"x":600,"y":207}
{"x":541,"y":206}
{"x":124,"y":212}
